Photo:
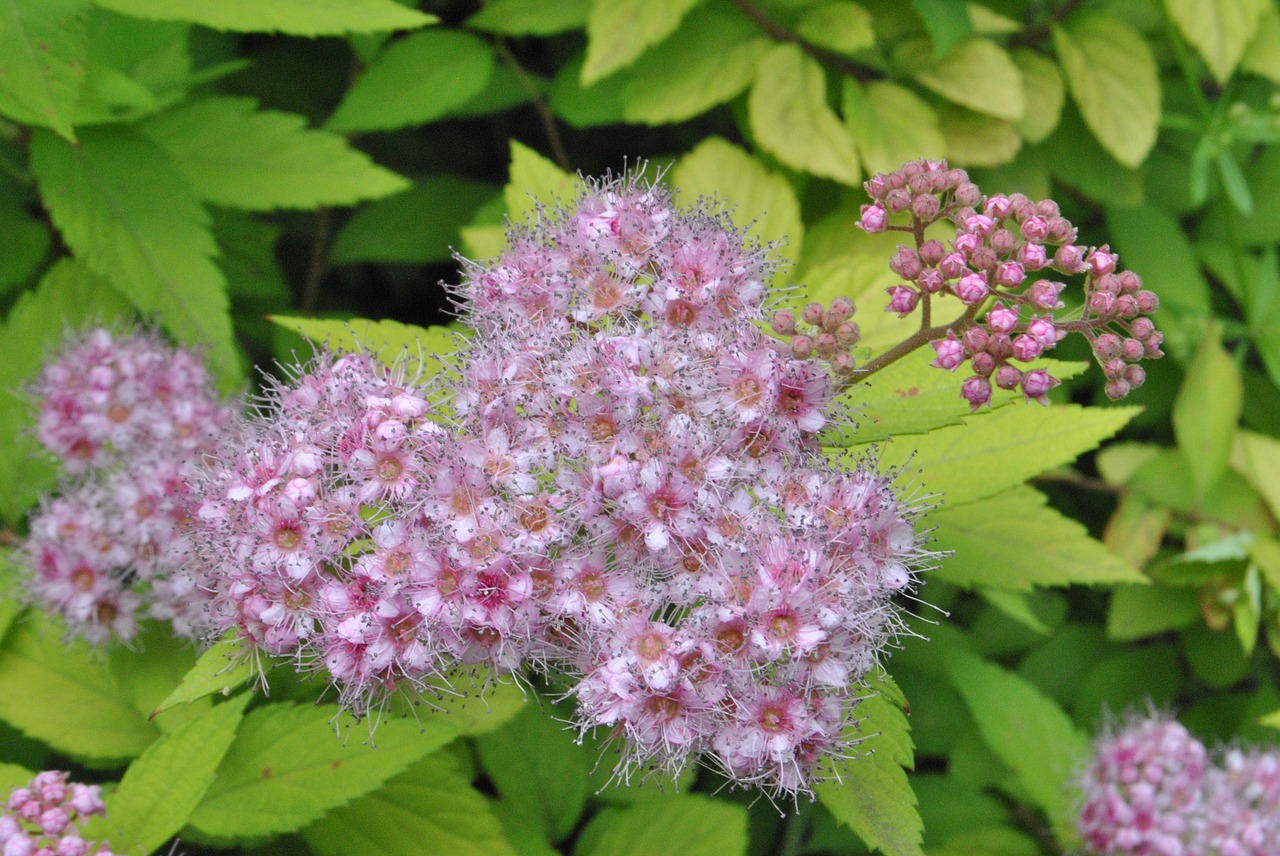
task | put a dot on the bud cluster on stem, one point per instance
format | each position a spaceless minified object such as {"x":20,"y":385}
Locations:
{"x":43,"y":818}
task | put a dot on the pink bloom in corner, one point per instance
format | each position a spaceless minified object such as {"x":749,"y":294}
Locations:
{"x":43,"y":818}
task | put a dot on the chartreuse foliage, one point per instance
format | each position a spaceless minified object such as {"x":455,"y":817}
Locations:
{"x":158,"y":163}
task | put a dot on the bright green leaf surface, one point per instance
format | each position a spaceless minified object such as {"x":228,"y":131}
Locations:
{"x":873,"y":796}
{"x":260,"y":160}
{"x":1045,"y":94}
{"x":291,"y":764}
{"x":691,"y":825}
{"x":843,"y":27}
{"x":148,"y":672}
{"x":1030,"y":734}
{"x":530,"y":17}
{"x":1262,"y":56}
{"x":535,"y":181}
{"x":973,"y":139}
{"x":619,"y":31}
{"x":790,"y":117}
{"x":42,"y":57}
{"x":1206,"y":411}
{"x":426,"y":348}
{"x":581,"y":106}
{"x":165,"y":784}
{"x":534,"y":761}
{"x":1114,"y":80}
{"x":66,"y":696}
{"x":978,"y":74}
{"x":890,"y":124}
{"x":429,"y":808}
{"x":219,"y":670}
{"x":1014,"y":540}
{"x":759,"y":202}
{"x":417,"y":79}
{"x":126,"y":211}
{"x":417,"y":226}
{"x":997,"y":450}
{"x":1219,"y":29}
{"x":296,"y":17}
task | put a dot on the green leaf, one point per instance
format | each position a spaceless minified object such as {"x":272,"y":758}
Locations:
{"x":619,"y":31}
{"x":66,"y":696}
{"x":978,"y":74}
{"x":415,"y":80}
{"x":1207,"y":409}
{"x":1262,"y":56}
{"x":530,"y":17}
{"x":581,"y":106}
{"x":1028,"y":732}
{"x":1045,"y":94}
{"x":221,"y":669}
{"x":24,"y":243}
{"x":973,"y":139}
{"x":165,"y":784}
{"x":535,"y":181}
{"x":14,"y":776}
{"x":43,"y":49}
{"x":1139,"y":611}
{"x":948,"y":23}
{"x":1257,"y":458}
{"x":1077,"y":160}
{"x":427,"y":348}
{"x":236,"y":155}
{"x":1220,"y":30}
{"x":890,"y":124}
{"x":1127,"y":680}
{"x":872,"y":795}
{"x":1014,"y":540}
{"x":843,"y":27}
{"x":126,"y":211}
{"x":710,"y":59}
{"x":997,"y":450}
{"x":790,"y":118}
{"x":1114,"y":80}
{"x":429,"y":808}
{"x":535,"y":762}
{"x":1136,"y":529}
{"x":760,"y":202}
{"x":691,"y":825}
{"x":296,"y":17}
{"x":289,"y":765}
{"x":1151,"y":242}
{"x":148,"y":671}
{"x":417,"y":226}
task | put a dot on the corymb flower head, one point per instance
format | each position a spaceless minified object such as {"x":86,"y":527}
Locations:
{"x":44,"y":818}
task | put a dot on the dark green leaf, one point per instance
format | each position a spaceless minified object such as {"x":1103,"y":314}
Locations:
{"x":691,"y":825}
{"x":947,"y":22}
{"x":417,"y":226}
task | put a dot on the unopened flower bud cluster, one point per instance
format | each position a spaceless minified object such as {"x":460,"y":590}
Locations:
{"x":43,"y":818}
{"x":1152,"y":789}
{"x":831,"y":334}
{"x":1002,"y":264}
{"x":126,"y":416}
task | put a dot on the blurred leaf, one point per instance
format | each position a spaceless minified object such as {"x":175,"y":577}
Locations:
{"x":1218,"y":29}
{"x":1119,"y":461}
{"x":1257,"y":458}
{"x":260,"y":160}
{"x":1206,"y":411}
{"x":289,"y":765}
{"x":950,"y":807}
{"x":978,"y":74}
{"x":43,"y":50}
{"x":536,"y":181}
{"x":708,"y":60}
{"x":1262,"y":56}
{"x":1136,"y":529}
{"x":296,"y":17}
{"x":581,"y":106}
{"x":426,"y":349}
{"x":790,"y":117}
{"x":1028,"y":732}
{"x":1016,"y":605}
{"x":130,"y":215}
{"x":165,"y":784}
{"x":890,"y":124}
{"x":416,"y":226}
{"x":1265,"y":552}
{"x":429,"y":808}
{"x":691,"y":825}
{"x":760,"y":203}
{"x":1045,"y":94}
{"x":1077,"y":160}
{"x":66,"y":696}
{"x":221,"y":669}
{"x":1215,"y":656}
{"x":416,"y":80}
{"x":1114,"y":80}
{"x":989,"y":535}
{"x":619,"y":31}
{"x":534,"y":761}
{"x":947,"y":22}
{"x":24,"y":244}
{"x":973,"y":139}
{"x":1136,"y":612}
{"x":1152,"y":244}
{"x":530,"y":17}
{"x":842,"y":27}
{"x":1127,"y":680}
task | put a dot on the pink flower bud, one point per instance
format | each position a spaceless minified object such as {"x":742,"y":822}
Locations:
{"x":1008,"y":377}
{"x":1114,"y":368}
{"x":843,"y":363}
{"x":1126,"y":306}
{"x":783,"y":323}
{"x":956,"y":179}
{"x":1151,"y":347}
{"x":1047,"y":208}
{"x":1035,"y":384}
{"x":1042,"y":329}
{"x":1060,"y":230}
{"x":974,"y":339}
{"x":953,"y":266}
{"x":874,"y":218}
{"x":931,"y":252}
{"x":1032,"y":256}
{"x":1043,"y":294}
{"x":982,"y":258}
{"x":997,"y":206}
{"x":801,"y":347}
{"x":983,"y":364}
{"x":979,"y":224}
{"x":1148,"y":302}
{"x":812,"y":314}
{"x":1108,"y":282}
{"x":1000,"y":346}
{"x":1001,"y":318}
{"x":968,"y":194}
{"x":1116,"y":389}
{"x":1107,"y":346}
{"x":926,"y":206}
{"x":847,"y":334}
{"x":898,"y":200}
{"x":1069,"y":258}
{"x":976,"y":391}
{"x":876,"y":186}
{"x":1102,"y":302}
{"x":931,"y":281}
{"x":967,"y":242}
{"x":842,"y":308}
{"x":824,"y":345}
{"x":971,"y":288}
{"x":1010,"y":275}
{"x":897,"y":180}
{"x":1130,"y":282}
{"x":1132,"y":350}
{"x":1003,"y":242}
{"x":902,"y":299}
{"x":950,"y":353}
{"x":1135,"y":376}
{"x":906,"y":263}
{"x":918,"y":182}
{"x":1026,"y":349}
{"x":1035,"y":229}
{"x":1141,"y":328}
{"x":1102,"y":260}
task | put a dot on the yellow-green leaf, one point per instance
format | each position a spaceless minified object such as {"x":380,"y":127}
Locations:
{"x":1046,"y":93}
{"x":844,"y":27}
{"x":890,"y":125}
{"x":1114,"y":80}
{"x":978,"y":74}
{"x":790,"y":118}
{"x":43,"y":49}
{"x":618,"y":31}
{"x":1262,"y":57}
{"x":1257,"y":458}
{"x":1220,"y":30}
{"x":976,"y":140}
{"x":298,"y":17}
{"x":1207,"y":409}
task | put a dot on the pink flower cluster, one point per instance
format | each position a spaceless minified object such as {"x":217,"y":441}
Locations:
{"x":127,"y":417}
{"x":622,"y":488}
{"x":1000,"y":264}
{"x":42,"y":818}
{"x":1152,"y":789}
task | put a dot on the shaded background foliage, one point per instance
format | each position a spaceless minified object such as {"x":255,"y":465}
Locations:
{"x":207,"y":165}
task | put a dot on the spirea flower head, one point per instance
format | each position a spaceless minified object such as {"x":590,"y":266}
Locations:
{"x":128,"y":416}
{"x":42,"y":819}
